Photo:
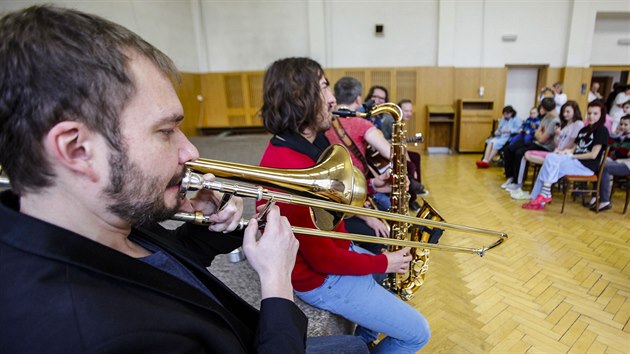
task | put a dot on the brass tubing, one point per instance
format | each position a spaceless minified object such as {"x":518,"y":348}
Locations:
{"x":196,"y":183}
{"x":198,"y":218}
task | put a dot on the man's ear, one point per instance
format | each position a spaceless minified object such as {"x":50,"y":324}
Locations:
{"x":71,"y":144}
{"x":358,"y":101}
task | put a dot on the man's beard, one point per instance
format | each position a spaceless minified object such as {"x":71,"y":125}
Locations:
{"x":136,"y":197}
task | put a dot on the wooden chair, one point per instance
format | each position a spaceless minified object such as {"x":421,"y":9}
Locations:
{"x":618,"y":180}
{"x":571,"y":183}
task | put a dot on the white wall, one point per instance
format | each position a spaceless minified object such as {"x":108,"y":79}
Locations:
{"x":608,"y":29}
{"x":167,"y":25}
{"x":541,"y":28}
{"x":249,"y":35}
{"x":409,"y":39}
{"x":223,"y":35}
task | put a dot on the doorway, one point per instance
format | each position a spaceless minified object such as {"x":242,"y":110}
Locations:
{"x":520,"y":89}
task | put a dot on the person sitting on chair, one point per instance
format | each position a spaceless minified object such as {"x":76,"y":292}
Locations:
{"x":355,"y":134}
{"x":618,"y":164}
{"x":583,"y":160}
{"x":508,"y":125}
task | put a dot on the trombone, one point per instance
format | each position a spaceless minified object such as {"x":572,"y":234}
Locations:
{"x":333,"y":178}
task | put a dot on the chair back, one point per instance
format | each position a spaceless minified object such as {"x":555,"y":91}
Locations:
{"x":602,"y":165}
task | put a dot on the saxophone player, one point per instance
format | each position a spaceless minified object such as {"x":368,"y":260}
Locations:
{"x":332,"y":274}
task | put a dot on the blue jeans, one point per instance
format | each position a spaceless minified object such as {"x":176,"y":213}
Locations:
{"x":336,"y":344}
{"x":382,"y":201}
{"x":612,"y":168}
{"x":375,"y":310}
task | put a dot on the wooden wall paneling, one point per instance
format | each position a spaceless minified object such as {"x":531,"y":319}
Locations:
{"x":245,"y":99}
{"x":494,"y":81}
{"x":333,"y":75}
{"x":435,"y":87}
{"x":475,"y":123}
{"x":235,"y":99}
{"x":466,"y":83}
{"x":214,"y":113}
{"x":554,"y":75}
{"x":405,"y":85}
{"x":381,"y":77}
{"x":255,"y":91}
{"x":573,"y":80}
{"x":187,"y":91}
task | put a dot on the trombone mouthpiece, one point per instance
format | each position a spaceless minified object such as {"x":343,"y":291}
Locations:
{"x":191,"y":181}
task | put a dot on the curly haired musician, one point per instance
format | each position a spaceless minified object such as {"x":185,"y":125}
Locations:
{"x":331,"y":274}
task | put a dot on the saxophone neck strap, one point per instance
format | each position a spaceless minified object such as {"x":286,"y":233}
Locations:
{"x":350,"y":145}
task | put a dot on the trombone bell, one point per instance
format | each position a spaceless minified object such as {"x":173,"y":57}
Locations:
{"x":333,"y":178}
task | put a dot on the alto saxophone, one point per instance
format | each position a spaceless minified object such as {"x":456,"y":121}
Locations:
{"x":405,"y":285}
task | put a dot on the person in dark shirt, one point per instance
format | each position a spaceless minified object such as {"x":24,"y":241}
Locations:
{"x":91,"y":142}
{"x":583,"y":160}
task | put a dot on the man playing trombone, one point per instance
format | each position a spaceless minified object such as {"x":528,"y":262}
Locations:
{"x":332,"y":274}
{"x":89,"y":129}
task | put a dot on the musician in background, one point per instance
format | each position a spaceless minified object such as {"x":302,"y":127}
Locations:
{"x":331,"y":274}
{"x":89,"y":129}
{"x":355,"y":134}
{"x":414,"y":169}
{"x":378,"y":95}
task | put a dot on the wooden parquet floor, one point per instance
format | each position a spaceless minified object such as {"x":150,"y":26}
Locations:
{"x":561,"y":284}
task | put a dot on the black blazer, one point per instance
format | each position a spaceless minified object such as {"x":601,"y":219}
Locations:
{"x":63,"y":293}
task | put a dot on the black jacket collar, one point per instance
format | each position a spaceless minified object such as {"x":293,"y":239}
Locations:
{"x":298,"y":143}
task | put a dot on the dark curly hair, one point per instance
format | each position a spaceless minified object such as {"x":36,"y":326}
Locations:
{"x":292,"y":97}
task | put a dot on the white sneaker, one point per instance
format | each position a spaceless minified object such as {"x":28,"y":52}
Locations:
{"x":512,"y":186}
{"x":519,"y":194}
{"x":508,"y":181}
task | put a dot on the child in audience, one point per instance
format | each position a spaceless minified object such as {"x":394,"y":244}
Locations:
{"x":583,"y":160}
{"x":564,"y":138}
{"x":508,"y":125}
{"x":618,"y":163}
{"x":528,"y":128}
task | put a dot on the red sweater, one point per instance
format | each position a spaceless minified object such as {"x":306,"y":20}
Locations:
{"x":317,"y":256}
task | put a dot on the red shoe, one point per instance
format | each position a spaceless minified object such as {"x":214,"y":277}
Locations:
{"x":482,"y":164}
{"x":540,"y":199}
{"x":532,"y":206}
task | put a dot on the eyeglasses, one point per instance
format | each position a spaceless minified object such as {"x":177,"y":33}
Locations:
{"x":378,"y":97}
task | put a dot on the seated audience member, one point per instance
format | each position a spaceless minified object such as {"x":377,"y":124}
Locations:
{"x":90,"y":109}
{"x":543,"y":140}
{"x":332,"y":274}
{"x":594,"y":94}
{"x":626,"y":111}
{"x":618,"y":163}
{"x":608,"y":123}
{"x":528,"y":128}
{"x":508,"y":125}
{"x":356,"y":133}
{"x":616,"y":111}
{"x":583,"y":160}
{"x":565,"y":134}
{"x":559,"y":97}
